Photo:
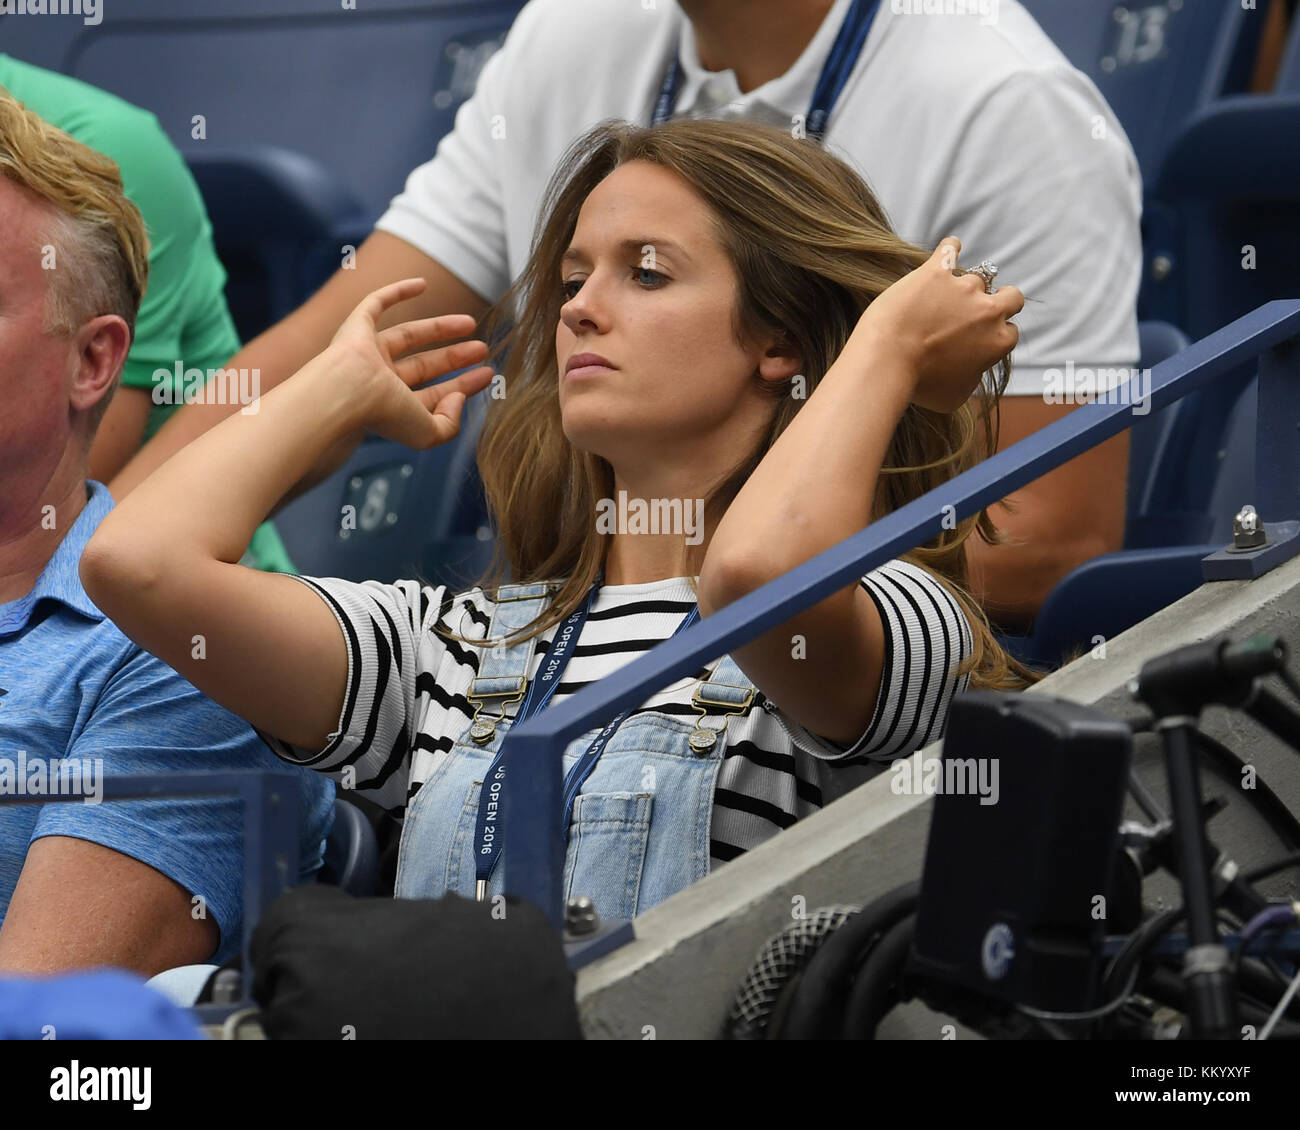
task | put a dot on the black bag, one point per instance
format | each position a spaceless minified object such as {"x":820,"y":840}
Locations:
{"x":328,"y":966}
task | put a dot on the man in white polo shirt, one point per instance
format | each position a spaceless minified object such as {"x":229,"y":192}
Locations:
{"x":970,"y":124}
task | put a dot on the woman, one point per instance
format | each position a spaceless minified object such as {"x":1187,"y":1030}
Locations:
{"x":716,"y":320}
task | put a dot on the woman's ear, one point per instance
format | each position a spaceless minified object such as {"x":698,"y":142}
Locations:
{"x":781,"y":358}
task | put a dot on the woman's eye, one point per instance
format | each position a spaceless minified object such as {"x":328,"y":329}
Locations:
{"x":647,"y":278}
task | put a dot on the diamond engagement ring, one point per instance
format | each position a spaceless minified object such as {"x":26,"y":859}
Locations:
{"x":988,"y":271}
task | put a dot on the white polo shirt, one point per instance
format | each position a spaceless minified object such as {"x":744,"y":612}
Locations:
{"x":962,"y":127}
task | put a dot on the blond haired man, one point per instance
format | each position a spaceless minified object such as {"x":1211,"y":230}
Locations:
{"x":142,"y":885}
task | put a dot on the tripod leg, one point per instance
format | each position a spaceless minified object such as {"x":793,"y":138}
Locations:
{"x":1212,"y":1002}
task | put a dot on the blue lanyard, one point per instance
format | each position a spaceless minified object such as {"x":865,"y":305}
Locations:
{"x":839,"y":65}
{"x":489,"y":825}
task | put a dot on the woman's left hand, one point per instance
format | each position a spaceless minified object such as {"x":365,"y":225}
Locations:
{"x":946,"y":329}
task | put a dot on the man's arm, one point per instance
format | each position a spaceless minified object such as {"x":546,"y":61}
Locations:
{"x":145,"y":884}
{"x":1067,"y":517}
{"x":287,"y":346}
{"x":1059,"y":211}
{"x":79,"y":904}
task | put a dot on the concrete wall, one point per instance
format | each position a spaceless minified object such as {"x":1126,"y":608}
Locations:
{"x":678,"y":978}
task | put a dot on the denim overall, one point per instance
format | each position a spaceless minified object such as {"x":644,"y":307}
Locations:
{"x":641,"y":823}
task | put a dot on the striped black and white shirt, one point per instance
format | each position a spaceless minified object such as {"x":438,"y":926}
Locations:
{"x":406,"y":702}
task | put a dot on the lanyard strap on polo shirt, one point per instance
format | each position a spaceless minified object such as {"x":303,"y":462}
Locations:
{"x":835,"y":73}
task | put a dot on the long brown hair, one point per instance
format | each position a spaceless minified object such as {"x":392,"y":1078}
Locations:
{"x":811,"y":248}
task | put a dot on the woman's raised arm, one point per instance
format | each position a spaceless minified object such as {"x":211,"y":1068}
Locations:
{"x":163,"y":564}
{"x":927,"y":339}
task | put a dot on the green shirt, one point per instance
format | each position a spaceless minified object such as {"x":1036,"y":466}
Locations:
{"x":183,"y":316}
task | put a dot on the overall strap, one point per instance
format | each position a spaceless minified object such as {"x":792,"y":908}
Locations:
{"x":727,"y":688}
{"x":503,"y":668}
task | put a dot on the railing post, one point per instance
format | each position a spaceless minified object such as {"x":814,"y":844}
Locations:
{"x":271,"y":814}
{"x":1276,"y":497}
{"x":536,"y":871}
{"x":1277,"y":449}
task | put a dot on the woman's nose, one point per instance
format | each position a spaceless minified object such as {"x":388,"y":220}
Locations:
{"x":585,"y":308}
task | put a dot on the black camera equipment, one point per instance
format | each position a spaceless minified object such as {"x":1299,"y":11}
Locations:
{"x":1028,"y":921}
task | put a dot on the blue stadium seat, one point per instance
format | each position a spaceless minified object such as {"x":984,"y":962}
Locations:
{"x":1224,"y":219}
{"x":1155,"y":63}
{"x":280,"y":221}
{"x":1150,"y":435}
{"x":1189,"y":473}
{"x":351,"y":852}
{"x":1108,"y":595}
{"x":301,"y":120}
{"x":392,"y":512}
{"x":461,"y":548}
{"x":1188,"y":460}
{"x":1234,"y":484}
{"x":1224,"y":222}
{"x":367,"y":92}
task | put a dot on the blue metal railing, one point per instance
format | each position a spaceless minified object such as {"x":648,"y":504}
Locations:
{"x":535,"y":860}
{"x":270,"y":816}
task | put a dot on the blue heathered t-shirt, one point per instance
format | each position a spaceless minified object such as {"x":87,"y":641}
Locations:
{"x":76,"y":694}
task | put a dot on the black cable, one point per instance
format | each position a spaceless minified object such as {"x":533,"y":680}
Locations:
{"x":1170,"y":989}
{"x":1259,"y":982}
{"x":1252,"y":974}
{"x":817,"y":1005}
{"x":876,"y":989}
{"x":1251,"y":978}
{"x":1130,"y":954}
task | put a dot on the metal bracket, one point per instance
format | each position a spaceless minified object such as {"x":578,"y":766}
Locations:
{"x":583,"y":951}
{"x":1231,"y":564}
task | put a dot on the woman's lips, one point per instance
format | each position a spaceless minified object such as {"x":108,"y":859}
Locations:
{"x":582,"y":371}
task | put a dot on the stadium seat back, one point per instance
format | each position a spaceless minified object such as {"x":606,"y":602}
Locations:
{"x":1106,"y":596}
{"x":1204,"y":472}
{"x":391,"y":512}
{"x":1225,"y":214}
{"x":1191,"y":468}
{"x":1234,"y":485}
{"x":351,"y":852}
{"x":1149,"y":435}
{"x":1155,"y":63}
{"x":365,"y":91}
{"x":282,"y":224}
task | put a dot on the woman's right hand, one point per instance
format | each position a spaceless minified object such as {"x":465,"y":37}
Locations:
{"x":369,"y":363}
{"x":946,"y":332}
